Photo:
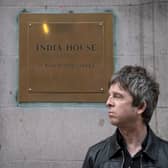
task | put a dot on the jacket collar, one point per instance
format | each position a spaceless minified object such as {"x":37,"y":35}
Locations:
{"x":114,"y":145}
{"x":152,"y":146}
{"x":150,"y":150}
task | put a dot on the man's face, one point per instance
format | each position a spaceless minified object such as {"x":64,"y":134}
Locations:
{"x":121,"y":112}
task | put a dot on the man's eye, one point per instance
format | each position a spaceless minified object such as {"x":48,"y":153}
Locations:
{"x":118,"y":96}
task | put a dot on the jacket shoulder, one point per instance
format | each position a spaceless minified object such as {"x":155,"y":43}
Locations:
{"x":97,"y":153}
{"x":163,"y":144}
{"x":162,"y":153}
{"x":100,"y":151}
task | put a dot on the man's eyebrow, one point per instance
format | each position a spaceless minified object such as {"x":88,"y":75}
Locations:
{"x":115,"y":92}
{"x":119,"y":93}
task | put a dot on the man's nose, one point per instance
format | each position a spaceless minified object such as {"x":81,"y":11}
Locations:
{"x":109,"y":101}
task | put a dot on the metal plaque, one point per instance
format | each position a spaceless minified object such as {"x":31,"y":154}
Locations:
{"x":65,"y":57}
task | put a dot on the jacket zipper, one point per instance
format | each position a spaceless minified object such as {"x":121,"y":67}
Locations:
{"x":141,"y":161}
{"x":123,"y":159}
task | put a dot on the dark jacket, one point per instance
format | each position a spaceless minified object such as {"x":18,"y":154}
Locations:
{"x":109,"y":154}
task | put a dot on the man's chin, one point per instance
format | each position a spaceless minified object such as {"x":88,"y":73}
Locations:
{"x":113,"y":122}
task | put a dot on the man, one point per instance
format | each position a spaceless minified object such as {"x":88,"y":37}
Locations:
{"x":133,"y":96}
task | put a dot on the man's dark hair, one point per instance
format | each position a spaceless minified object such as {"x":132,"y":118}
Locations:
{"x":141,"y":85}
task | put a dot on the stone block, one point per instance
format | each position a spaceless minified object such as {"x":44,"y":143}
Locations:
{"x":51,"y":133}
{"x":8,"y":80}
{"x":161,"y":49}
{"x":162,"y":117}
{"x":9,"y":31}
{"x":146,"y":31}
{"x":126,"y":30}
{"x":120,"y":61}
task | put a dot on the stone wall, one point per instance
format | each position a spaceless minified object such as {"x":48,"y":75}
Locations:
{"x":57,"y":135}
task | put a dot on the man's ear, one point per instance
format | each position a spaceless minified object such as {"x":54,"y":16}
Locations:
{"x":142,"y":107}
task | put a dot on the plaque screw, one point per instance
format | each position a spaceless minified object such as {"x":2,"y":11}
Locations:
{"x":100,"y":23}
{"x":101,"y":89}
{"x":30,"y":89}
{"x":30,"y":25}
